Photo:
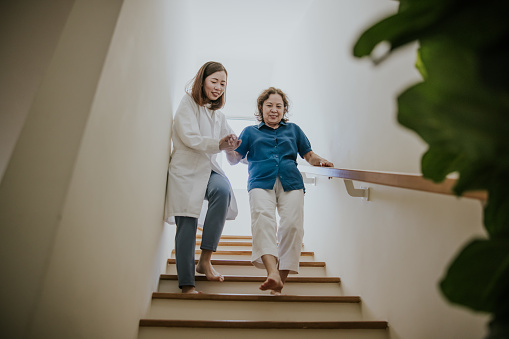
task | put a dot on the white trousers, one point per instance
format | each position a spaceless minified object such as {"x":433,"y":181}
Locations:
{"x":266,"y":234}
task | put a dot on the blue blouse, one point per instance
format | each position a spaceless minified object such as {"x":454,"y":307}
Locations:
{"x":272,"y":153}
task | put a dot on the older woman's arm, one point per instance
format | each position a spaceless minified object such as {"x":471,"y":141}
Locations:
{"x":233,"y":157}
{"x":315,"y":160}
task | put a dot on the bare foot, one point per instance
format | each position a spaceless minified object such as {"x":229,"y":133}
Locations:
{"x":209,"y":271}
{"x":273,"y":283}
{"x":190,"y":290}
{"x":283,"y":274}
{"x":276,"y":292}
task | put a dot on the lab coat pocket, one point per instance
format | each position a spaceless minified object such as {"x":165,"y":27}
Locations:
{"x":183,"y":162}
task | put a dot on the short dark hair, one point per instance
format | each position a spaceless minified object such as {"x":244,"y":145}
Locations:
{"x":195,"y":86}
{"x":264,"y":96}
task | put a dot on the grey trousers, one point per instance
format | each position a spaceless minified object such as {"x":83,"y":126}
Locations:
{"x":218,"y":197}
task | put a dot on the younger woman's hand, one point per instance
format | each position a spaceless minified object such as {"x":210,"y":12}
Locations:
{"x":229,"y":143}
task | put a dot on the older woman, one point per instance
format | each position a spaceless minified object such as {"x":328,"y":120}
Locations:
{"x":200,"y":132}
{"x":271,"y":149}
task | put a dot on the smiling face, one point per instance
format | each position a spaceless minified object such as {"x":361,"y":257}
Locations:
{"x":215,"y":85}
{"x":273,"y":110}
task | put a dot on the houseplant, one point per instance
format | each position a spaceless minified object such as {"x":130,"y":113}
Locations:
{"x":461,"y":110}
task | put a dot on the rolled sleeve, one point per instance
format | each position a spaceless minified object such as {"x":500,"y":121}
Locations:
{"x":244,"y":146}
{"x":303,"y":144}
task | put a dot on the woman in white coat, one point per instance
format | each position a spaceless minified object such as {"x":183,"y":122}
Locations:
{"x":200,"y":132}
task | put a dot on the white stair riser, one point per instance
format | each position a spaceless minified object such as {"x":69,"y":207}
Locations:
{"x":242,"y":257}
{"x":251,"y":270}
{"x":231,"y":248}
{"x":171,"y":286}
{"x":177,"y":309}
{"x":218,"y":333}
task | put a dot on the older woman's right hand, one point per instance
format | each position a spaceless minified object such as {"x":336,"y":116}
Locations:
{"x":229,"y":143}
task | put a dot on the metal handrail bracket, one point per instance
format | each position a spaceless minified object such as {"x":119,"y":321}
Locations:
{"x":362,"y":192}
{"x":401,"y":180}
{"x":308,"y":180}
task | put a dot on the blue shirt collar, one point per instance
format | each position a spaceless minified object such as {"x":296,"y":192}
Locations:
{"x":263,"y":124}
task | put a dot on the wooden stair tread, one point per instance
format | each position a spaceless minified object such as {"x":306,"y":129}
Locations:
{"x":214,"y":298}
{"x":243,"y":237}
{"x":248,"y":278}
{"x":257,"y":297}
{"x":230,"y":243}
{"x":248,"y":263}
{"x":247,"y":324}
{"x":235,"y":252}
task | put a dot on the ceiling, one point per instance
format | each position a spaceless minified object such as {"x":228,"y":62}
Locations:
{"x":246,"y":36}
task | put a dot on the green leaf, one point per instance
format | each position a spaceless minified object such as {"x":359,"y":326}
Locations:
{"x":420,"y":65}
{"x":462,"y":111}
{"x":494,"y":65}
{"x":473,"y":176}
{"x":406,"y":26}
{"x":499,"y":327}
{"x":444,"y":122}
{"x":438,"y":162}
{"x":453,"y":109}
{"x":479,"y":275}
{"x":496,"y":211}
{"x":405,"y":4}
{"x":417,"y":20}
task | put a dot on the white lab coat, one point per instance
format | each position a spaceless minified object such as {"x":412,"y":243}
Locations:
{"x":196,"y":134}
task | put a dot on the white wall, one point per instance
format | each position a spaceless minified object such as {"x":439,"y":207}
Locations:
{"x":29,"y":33}
{"x":393,"y":249}
{"x":82,"y":242}
{"x":37,"y":177}
{"x":82,"y":237}
{"x":120,"y":179}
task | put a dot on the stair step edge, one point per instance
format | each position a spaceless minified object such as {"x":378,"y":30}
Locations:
{"x":257,"y":297}
{"x":231,"y":262}
{"x":247,"y":324}
{"x":229,"y":236}
{"x":242,"y":252}
{"x":230,"y":243}
{"x":245,"y":278}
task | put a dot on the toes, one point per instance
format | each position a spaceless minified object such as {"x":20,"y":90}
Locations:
{"x":191,"y":291}
{"x":213,"y":275}
{"x":270,"y":284}
{"x":210,"y":273}
{"x":216,"y":277}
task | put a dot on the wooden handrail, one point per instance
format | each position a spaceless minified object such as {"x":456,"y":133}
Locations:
{"x":409,"y":181}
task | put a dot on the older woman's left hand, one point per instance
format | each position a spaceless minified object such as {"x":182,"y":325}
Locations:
{"x":315,"y":160}
{"x":324,"y":163}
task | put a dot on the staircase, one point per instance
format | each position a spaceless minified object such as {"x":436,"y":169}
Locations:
{"x":311,"y":307}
